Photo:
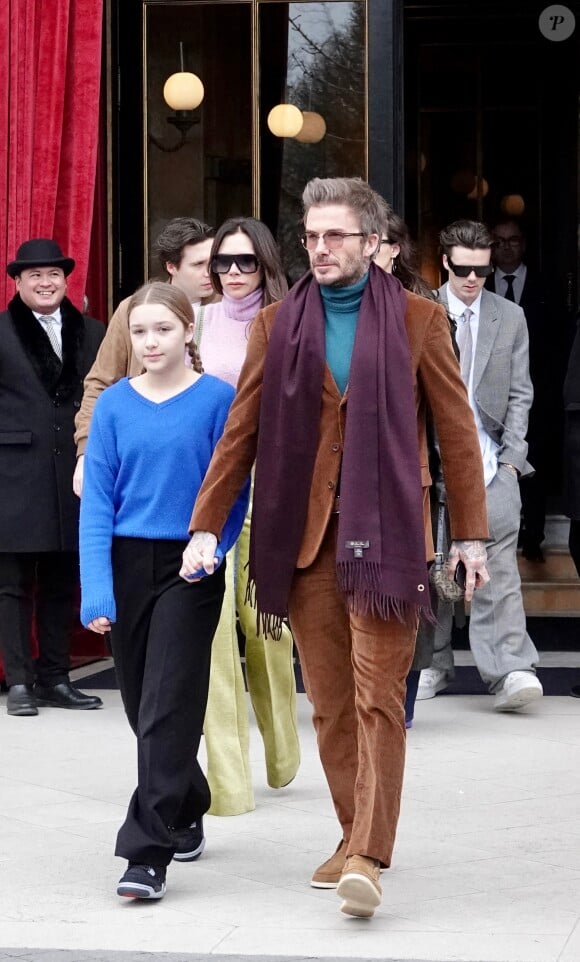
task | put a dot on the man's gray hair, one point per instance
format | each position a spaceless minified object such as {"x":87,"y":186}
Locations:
{"x":370,"y":208}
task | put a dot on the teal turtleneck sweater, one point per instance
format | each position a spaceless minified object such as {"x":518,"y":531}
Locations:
{"x":341,"y":307}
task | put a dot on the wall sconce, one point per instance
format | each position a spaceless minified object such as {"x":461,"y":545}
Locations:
{"x":313,"y":128}
{"x":285,"y":120}
{"x":183,"y":92}
{"x":479,"y":189}
{"x":513,"y":204}
{"x":464,"y":181}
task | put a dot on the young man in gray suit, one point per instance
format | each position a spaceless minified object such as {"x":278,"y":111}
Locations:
{"x":492,"y":338}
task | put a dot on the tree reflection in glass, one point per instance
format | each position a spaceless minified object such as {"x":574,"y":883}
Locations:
{"x":323,"y":72}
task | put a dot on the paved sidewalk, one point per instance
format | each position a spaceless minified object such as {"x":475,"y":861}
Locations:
{"x":64,"y":955}
{"x":487,"y":864}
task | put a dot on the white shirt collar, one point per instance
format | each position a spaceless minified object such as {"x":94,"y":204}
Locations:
{"x":520,"y":272}
{"x":56,"y":315}
{"x":457,"y":307}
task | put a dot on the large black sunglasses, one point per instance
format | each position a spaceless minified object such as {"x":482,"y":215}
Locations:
{"x":464,"y":270}
{"x":246,"y":263}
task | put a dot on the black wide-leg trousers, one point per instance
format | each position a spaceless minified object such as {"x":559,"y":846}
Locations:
{"x":161,"y":644}
{"x":42,"y":585}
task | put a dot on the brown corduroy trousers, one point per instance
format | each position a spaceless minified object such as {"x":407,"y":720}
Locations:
{"x":354,"y":669}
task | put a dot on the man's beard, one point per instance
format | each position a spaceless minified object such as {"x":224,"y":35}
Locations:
{"x":353,"y":271}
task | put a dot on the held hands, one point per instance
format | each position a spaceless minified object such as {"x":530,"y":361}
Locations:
{"x":78,"y":476}
{"x":474,"y":557}
{"x":100,"y":625}
{"x":199,"y":557}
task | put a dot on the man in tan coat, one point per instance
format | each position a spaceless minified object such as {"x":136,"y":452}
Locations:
{"x":183,"y":248}
{"x":331,"y":404}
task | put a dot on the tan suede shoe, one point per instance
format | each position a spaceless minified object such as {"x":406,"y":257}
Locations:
{"x":327,"y":875}
{"x":359,"y":887}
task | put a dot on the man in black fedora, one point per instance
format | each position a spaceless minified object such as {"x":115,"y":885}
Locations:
{"x":46,"y":349}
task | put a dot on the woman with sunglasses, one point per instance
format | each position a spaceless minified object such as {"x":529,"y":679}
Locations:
{"x":397,"y":256}
{"x":245,"y":268}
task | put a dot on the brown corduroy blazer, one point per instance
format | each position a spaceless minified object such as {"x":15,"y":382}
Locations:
{"x":438,"y":384}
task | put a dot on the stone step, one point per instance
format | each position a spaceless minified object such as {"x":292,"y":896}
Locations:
{"x":557,"y":566}
{"x":556,"y":530}
{"x":551,"y":599}
{"x":550,"y":588}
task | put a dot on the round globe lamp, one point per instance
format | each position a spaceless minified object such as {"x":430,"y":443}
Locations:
{"x":285,"y":120}
{"x":480,"y":188}
{"x":313,"y":128}
{"x":183,"y":91}
{"x":513,"y":204}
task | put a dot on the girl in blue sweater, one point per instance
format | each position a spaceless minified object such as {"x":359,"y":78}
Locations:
{"x":150,"y":443}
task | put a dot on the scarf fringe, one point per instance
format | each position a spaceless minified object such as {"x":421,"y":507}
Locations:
{"x":364,"y":597}
{"x":268,"y":625}
{"x":361,"y":585}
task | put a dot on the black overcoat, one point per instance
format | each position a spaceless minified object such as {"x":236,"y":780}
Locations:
{"x":39,"y":398}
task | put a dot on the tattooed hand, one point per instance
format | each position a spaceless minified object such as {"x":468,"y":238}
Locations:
{"x":199,"y":556}
{"x":474,"y":557}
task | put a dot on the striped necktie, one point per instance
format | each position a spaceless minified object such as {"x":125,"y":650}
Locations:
{"x":49,"y":325}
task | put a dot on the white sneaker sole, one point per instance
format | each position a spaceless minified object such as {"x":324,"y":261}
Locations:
{"x":360,"y":895}
{"x":190,"y":856}
{"x":424,"y":693}
{"x":519,"y":699}
{"x":134,"y":890}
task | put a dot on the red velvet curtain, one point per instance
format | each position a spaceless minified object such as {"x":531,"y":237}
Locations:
{"x":50,"y":65}
{"x":96,"y":286}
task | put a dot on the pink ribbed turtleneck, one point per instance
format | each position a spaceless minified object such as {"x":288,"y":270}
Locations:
{"x":224,"y":335}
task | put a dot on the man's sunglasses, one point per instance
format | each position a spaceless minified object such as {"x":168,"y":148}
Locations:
{"x":464,"y":270}
{"x":246,"y":263}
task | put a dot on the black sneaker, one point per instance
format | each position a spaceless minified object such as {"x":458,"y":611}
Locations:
{"x":189,"y":842}
{"x":142,"y":882}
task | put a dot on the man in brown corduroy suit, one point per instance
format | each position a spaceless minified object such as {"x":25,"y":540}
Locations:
{"x":345,"y":524}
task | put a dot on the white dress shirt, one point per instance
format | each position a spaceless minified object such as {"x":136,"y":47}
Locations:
{"x":487,"y":445}
{"x":57,"y":318}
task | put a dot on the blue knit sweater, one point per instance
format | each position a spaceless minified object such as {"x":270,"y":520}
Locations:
{"x":144,"y":465}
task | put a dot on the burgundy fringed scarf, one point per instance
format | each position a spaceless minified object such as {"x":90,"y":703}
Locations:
{"x":381,"y":501}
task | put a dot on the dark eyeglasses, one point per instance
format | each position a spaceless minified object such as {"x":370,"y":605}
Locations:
{"x":385,"y":240}
{"x":514,"y":241}
{"x":246,"y":263}
{"x":332,"y":239}
{"x":464,"y":270}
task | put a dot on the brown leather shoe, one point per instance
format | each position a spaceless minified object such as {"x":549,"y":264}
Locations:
{"x":359,"y":887}
{"x":327,"y":875}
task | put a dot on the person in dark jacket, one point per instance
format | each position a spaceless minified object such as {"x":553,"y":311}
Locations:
{"x":46,"y":349}
{"x":517,"y":282}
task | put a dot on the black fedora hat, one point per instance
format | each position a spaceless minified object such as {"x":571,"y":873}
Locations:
{"x":39,"y":252}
